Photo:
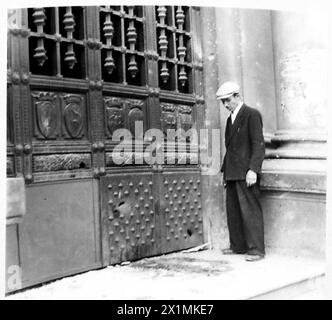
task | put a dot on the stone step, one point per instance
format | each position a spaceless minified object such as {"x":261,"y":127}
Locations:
{"x":307,"y":289}
{"x":207,"y":274}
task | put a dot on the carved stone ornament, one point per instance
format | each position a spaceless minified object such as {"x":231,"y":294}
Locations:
{"x":47,"y":116}
{"x":168,"y":121}
{"x":73,"y":116}
{"x":135,"y":114}
{"x":175,"y":116}
{"x":168,"y":117}
{"x":154,"y":92}
{"x":167,"y":107}
{"x":114,"y":115}
{"x":60,"y":162}
{"x":185,"y":117}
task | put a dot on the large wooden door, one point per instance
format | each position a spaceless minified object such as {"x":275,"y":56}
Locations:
{"x":75,"y":76}
{"x":154,"y":209}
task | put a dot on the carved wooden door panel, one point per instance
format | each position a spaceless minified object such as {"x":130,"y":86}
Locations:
{"x":133,"y":226}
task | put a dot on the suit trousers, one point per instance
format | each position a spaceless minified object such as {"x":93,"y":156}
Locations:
{"x":244,"y":218}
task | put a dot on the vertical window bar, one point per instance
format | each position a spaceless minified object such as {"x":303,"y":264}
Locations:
{"x":57,"y":45}
{"x":69,"y":23}
{"x":123,"y":45}
{"x":163,"y":43}
{"x":109,"y":32}
{"x":39,"y":20}
{"x":181,"y":49}
{"x":132,"y":37}
{"x":174,"y":46}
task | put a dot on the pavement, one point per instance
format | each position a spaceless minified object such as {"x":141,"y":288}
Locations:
{"x":206,"y":274}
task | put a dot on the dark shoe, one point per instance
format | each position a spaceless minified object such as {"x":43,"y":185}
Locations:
{"x":254,"y":257}
{"x":230,"y":251}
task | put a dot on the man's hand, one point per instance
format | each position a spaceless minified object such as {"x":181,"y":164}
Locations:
{"x":251,"y":178}
{"x":223,"y":181}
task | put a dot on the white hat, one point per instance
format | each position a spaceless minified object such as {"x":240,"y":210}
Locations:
{"x":227,"y":89}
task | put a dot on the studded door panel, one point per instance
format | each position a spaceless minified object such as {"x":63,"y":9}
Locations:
{"x":129,"y":204}
{"x":181,"y":211}
{"x":151,"y":213}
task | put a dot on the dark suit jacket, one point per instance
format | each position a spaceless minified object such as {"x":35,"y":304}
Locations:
{"x":245,"y":147}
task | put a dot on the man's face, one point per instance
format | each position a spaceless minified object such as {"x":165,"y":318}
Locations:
{"x":230,"y":103}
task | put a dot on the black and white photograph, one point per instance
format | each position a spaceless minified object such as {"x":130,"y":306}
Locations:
{"x":165,"y":152}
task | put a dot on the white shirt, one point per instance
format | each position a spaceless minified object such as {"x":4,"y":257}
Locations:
{"x":236,"y":111}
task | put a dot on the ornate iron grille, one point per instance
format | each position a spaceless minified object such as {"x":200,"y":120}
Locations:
{"x":123,"y":50}
{"x":57,"y":44}
{"x":174,"y":48}
{"x":57,"y":41}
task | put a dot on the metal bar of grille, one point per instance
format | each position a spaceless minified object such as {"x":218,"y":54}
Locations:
{"x":163,"y":43}
{"x":69,"y":23}
{"x":39,"y":20}
{"x":57,"y":32}
{"x":109,"y":32}
{"x":132,"y":38}
{"x":181,"y":48}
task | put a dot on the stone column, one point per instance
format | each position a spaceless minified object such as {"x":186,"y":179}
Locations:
{"x":245,"y":55}
{"x":228,"y":38}
{"x":227,"y":54}
{"x":300,"y":52}
{"x":294,"y":171}
{"x":300,"y":63}
{"x":215,"y":227}
{"x":257,"y":65}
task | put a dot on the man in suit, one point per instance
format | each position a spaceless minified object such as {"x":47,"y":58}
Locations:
{"x":241,"y":169}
